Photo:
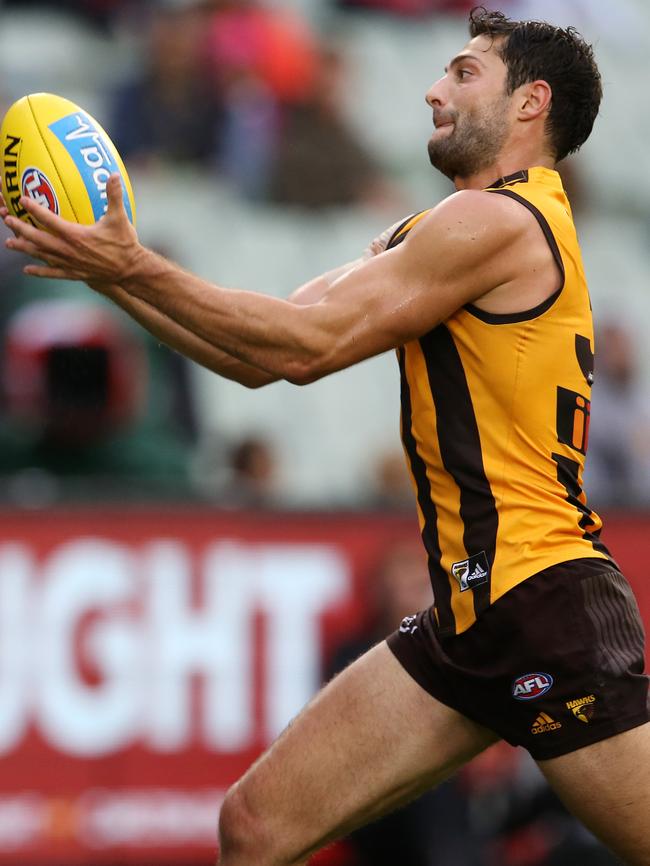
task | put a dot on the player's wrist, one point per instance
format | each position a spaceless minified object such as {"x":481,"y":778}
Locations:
{"x":140,"y":267}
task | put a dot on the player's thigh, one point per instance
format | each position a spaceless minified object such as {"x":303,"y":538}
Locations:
{"x":371,"y":740}
{"x":607,"y":786}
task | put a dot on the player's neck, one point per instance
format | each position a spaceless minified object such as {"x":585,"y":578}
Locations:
{"x":503,"y":168}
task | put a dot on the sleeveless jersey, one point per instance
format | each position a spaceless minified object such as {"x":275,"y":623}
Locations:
{"x":494,"y":421}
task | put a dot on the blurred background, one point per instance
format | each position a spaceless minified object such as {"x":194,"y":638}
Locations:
{"x":183,"y":561}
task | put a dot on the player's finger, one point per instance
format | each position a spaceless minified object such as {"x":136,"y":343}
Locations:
{"x":4,"y":210}
{"x":115,"y":195}
{"x":19,"y":245}
{"x":4,"y":213}
{"x":51,"y":221}
{"x":53,"y":273}
{"x":24,"y":231}
{"x":22,"y":245}
{"x":13,"y":230}
{"x":379,"y":244}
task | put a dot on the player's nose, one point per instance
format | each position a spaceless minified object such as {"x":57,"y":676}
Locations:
{"x":435,"y":95}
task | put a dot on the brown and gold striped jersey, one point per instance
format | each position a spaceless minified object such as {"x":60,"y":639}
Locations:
{"x":495,"y":418}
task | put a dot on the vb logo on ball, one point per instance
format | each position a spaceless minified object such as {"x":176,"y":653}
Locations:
{"x":92,"y":156}
{"x":37,"y":186}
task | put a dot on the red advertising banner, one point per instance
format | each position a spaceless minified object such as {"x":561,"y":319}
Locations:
{"x":145,"y":660}
{"x":146,"y":657}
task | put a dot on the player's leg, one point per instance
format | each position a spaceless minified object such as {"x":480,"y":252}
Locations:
{"x":607,"y":786}
{"x":370,"y":741}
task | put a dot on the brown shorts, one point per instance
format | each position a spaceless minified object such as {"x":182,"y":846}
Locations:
{"x":554,"y":665}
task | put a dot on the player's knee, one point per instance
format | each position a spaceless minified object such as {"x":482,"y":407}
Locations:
{"x":241,"y":832}
{"x":236,"y":825}
{"x":248,"y":835}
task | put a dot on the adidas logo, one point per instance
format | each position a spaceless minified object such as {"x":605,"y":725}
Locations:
{"x":477,"y":574}
{"x":544,"y":723}
{"x":471,"y":572}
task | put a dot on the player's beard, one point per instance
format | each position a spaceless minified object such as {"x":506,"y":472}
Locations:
{"x":474,"y":142}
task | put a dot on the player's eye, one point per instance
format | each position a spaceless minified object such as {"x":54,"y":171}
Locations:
{"x":463,"y":73}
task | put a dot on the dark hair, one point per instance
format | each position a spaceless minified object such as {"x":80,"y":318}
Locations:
{"x":533,"y":50}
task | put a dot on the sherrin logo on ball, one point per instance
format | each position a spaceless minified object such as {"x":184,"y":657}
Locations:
{"x":56,"y":153}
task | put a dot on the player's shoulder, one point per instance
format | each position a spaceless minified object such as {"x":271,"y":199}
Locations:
{"x":473,"y":218}
{"x":477,"y":205}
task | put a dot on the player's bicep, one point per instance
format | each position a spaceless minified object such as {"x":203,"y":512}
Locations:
{"x":452,"y":257}
{"x":315,"y":290}
{"x":378,"y":306}
{"x":449,"y":259}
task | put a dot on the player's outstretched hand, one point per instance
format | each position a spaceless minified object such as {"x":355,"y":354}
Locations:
{"x":100,"y":253}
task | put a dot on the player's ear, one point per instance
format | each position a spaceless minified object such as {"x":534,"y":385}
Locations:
{"x":535,"y":99}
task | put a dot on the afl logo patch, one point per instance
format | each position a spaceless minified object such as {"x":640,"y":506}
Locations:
{"x":37,"y":186}
{"x":530,"y":686}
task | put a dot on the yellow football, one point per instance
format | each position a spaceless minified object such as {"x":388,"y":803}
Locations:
{"x":56,"y":153}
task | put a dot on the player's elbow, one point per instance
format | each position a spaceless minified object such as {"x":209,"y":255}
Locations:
{"x":303,"y":372}
{"x":311,"y":368}
{"x":253,"y":384}
{"x":308,"y":362}
{"x":250,"y":378}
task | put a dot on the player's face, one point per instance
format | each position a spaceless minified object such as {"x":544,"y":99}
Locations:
{"x":470,"y":111}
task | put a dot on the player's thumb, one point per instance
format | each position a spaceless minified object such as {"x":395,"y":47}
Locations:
{"x":115,"y":196}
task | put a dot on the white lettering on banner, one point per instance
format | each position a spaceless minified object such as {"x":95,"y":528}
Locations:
{"x":81,"y":577}
{"x":23,"y":820}
{"x":214,"y":641}
{"x":291,"y":585}
{"x":293,"y":606}
{"x":15,"y":572}
{"x":131,"y":616}
{"x":148,"y":818}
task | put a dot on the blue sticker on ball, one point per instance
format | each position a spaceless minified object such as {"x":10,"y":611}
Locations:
{"x":91,"y":154}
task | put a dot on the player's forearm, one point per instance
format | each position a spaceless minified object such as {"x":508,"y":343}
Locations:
{"x":179,"y":338}
{"x":270,"y":334}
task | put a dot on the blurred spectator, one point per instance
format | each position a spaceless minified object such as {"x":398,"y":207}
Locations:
{"x":75,"y":381}
{"x":99,"y":12}
{"x":319,"y":161}
{"x":400,"y":585}
{"x":171,"y":110}
{"x":284,"y":137}
{"x":272,"y":44}
{"x":620,"y":22}
{"x":254,"y":471}
{"x":244,"y":476}
{"x":617,"y":471}
{"x":410,"y":8}
{"x":517,"y":818}
{"x":432,"y":831}
{"x":263,"y":59}
{"x":72,"y":372}
{"x":90,"y":405}
{"x":391,"y":487}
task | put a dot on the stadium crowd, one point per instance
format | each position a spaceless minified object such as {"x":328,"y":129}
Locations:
{"x":258,"y":100}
